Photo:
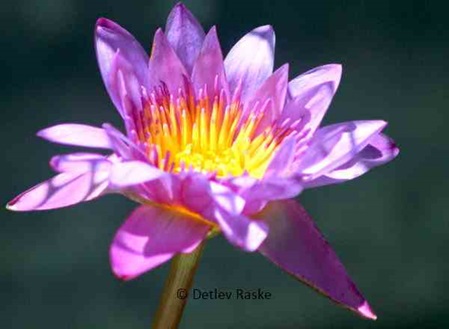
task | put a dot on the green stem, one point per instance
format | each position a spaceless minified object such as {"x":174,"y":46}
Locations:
{"x":176,"y":289}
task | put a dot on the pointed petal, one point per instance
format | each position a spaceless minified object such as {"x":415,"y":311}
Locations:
{"x":165,"y":66}
{"x":209,"y":67}
{"x":110,"y":39}
{"x":79,"y":162}
{"x":63,"y":190}
{"x":133,"y":172}
{"x":380,"y":150}
{"x":77,"y":135}
{"x":151,"y":236}
{"x":297,"y":246}
{"x":336,"y":144}
{"x":185,"y":35}
{"x":273,"y":90}
{"x":251,"y":60}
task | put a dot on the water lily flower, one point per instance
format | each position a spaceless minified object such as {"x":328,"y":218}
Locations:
{"x":213,"y":144}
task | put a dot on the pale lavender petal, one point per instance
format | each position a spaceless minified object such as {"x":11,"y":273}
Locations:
{"x":306,"y":111}
{"x":334,"y":145}
{"x":269,"y":98}
{"x":151,"y":236}
{"x":122,"y":145}
{"x":226,"y":199}
{"x":132,"y":173}
{"x":209,"y":67}
{"x":250,"y":61}
{"x":126,"y":87}
{"x":380,"y":150}
{"x":243,"y":232}
{"x":185,"y":35}
{"x":80,"y":162}
{"x":282,"y":159}
{"x":63,"y":190}
{"x":310,"y":95}
{"x":165,"y":66}
{"x":261,"y":192}
{"x":330,"y":73}
{"x":111,"y":38}
{"x":76,"y":134}
{"x":298,"y":247}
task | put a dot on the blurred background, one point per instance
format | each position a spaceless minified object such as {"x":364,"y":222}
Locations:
{"x":389,"y":227}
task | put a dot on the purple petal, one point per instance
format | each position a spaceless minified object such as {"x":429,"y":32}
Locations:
{"x":297,"y":246}
{"x":63,"y":190}
{"x":165,"y":66}
{"x":110,"y":39}
{"x":132,"y":173}
{"x":336,"y":144}
{"x":80,"y":162}
{"x":381,"y":149}
{"x":209,"y":67}
{"x":76,"y":134}
{"x":151,"y":236}
{"x":272,"y":90}
{"x":185,"y":35}
{"x":250,"y":61}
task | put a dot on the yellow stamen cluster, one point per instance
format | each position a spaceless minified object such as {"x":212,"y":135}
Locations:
{"x":209,"y":137}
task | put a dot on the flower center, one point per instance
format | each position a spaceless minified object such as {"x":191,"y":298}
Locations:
{"x":204,"y":135}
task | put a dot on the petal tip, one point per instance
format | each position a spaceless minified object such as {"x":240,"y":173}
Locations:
{"x":10,"y":206}
{"x":366,"y":311}
{"x":105,"y":23}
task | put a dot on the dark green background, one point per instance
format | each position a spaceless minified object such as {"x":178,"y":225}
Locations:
{"x":390,"y":227}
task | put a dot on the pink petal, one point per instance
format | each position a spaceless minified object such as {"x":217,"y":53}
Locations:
{"x":111,"y":38}
{"x":251,"y":60}
{"x":165,"y":66}
{"x":63,"y":190}
{"x":80,"y":162}
{"x":151,"y":236}
{"x":273,"y":90}
{"x":380,"y":150}
{"x":132,"y":173}
{"x":336,"y":144}
{"x":297,"y":246}
{"x":185,"y":35}
{"x":209,"y":67}
{"x":76,"y":134}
